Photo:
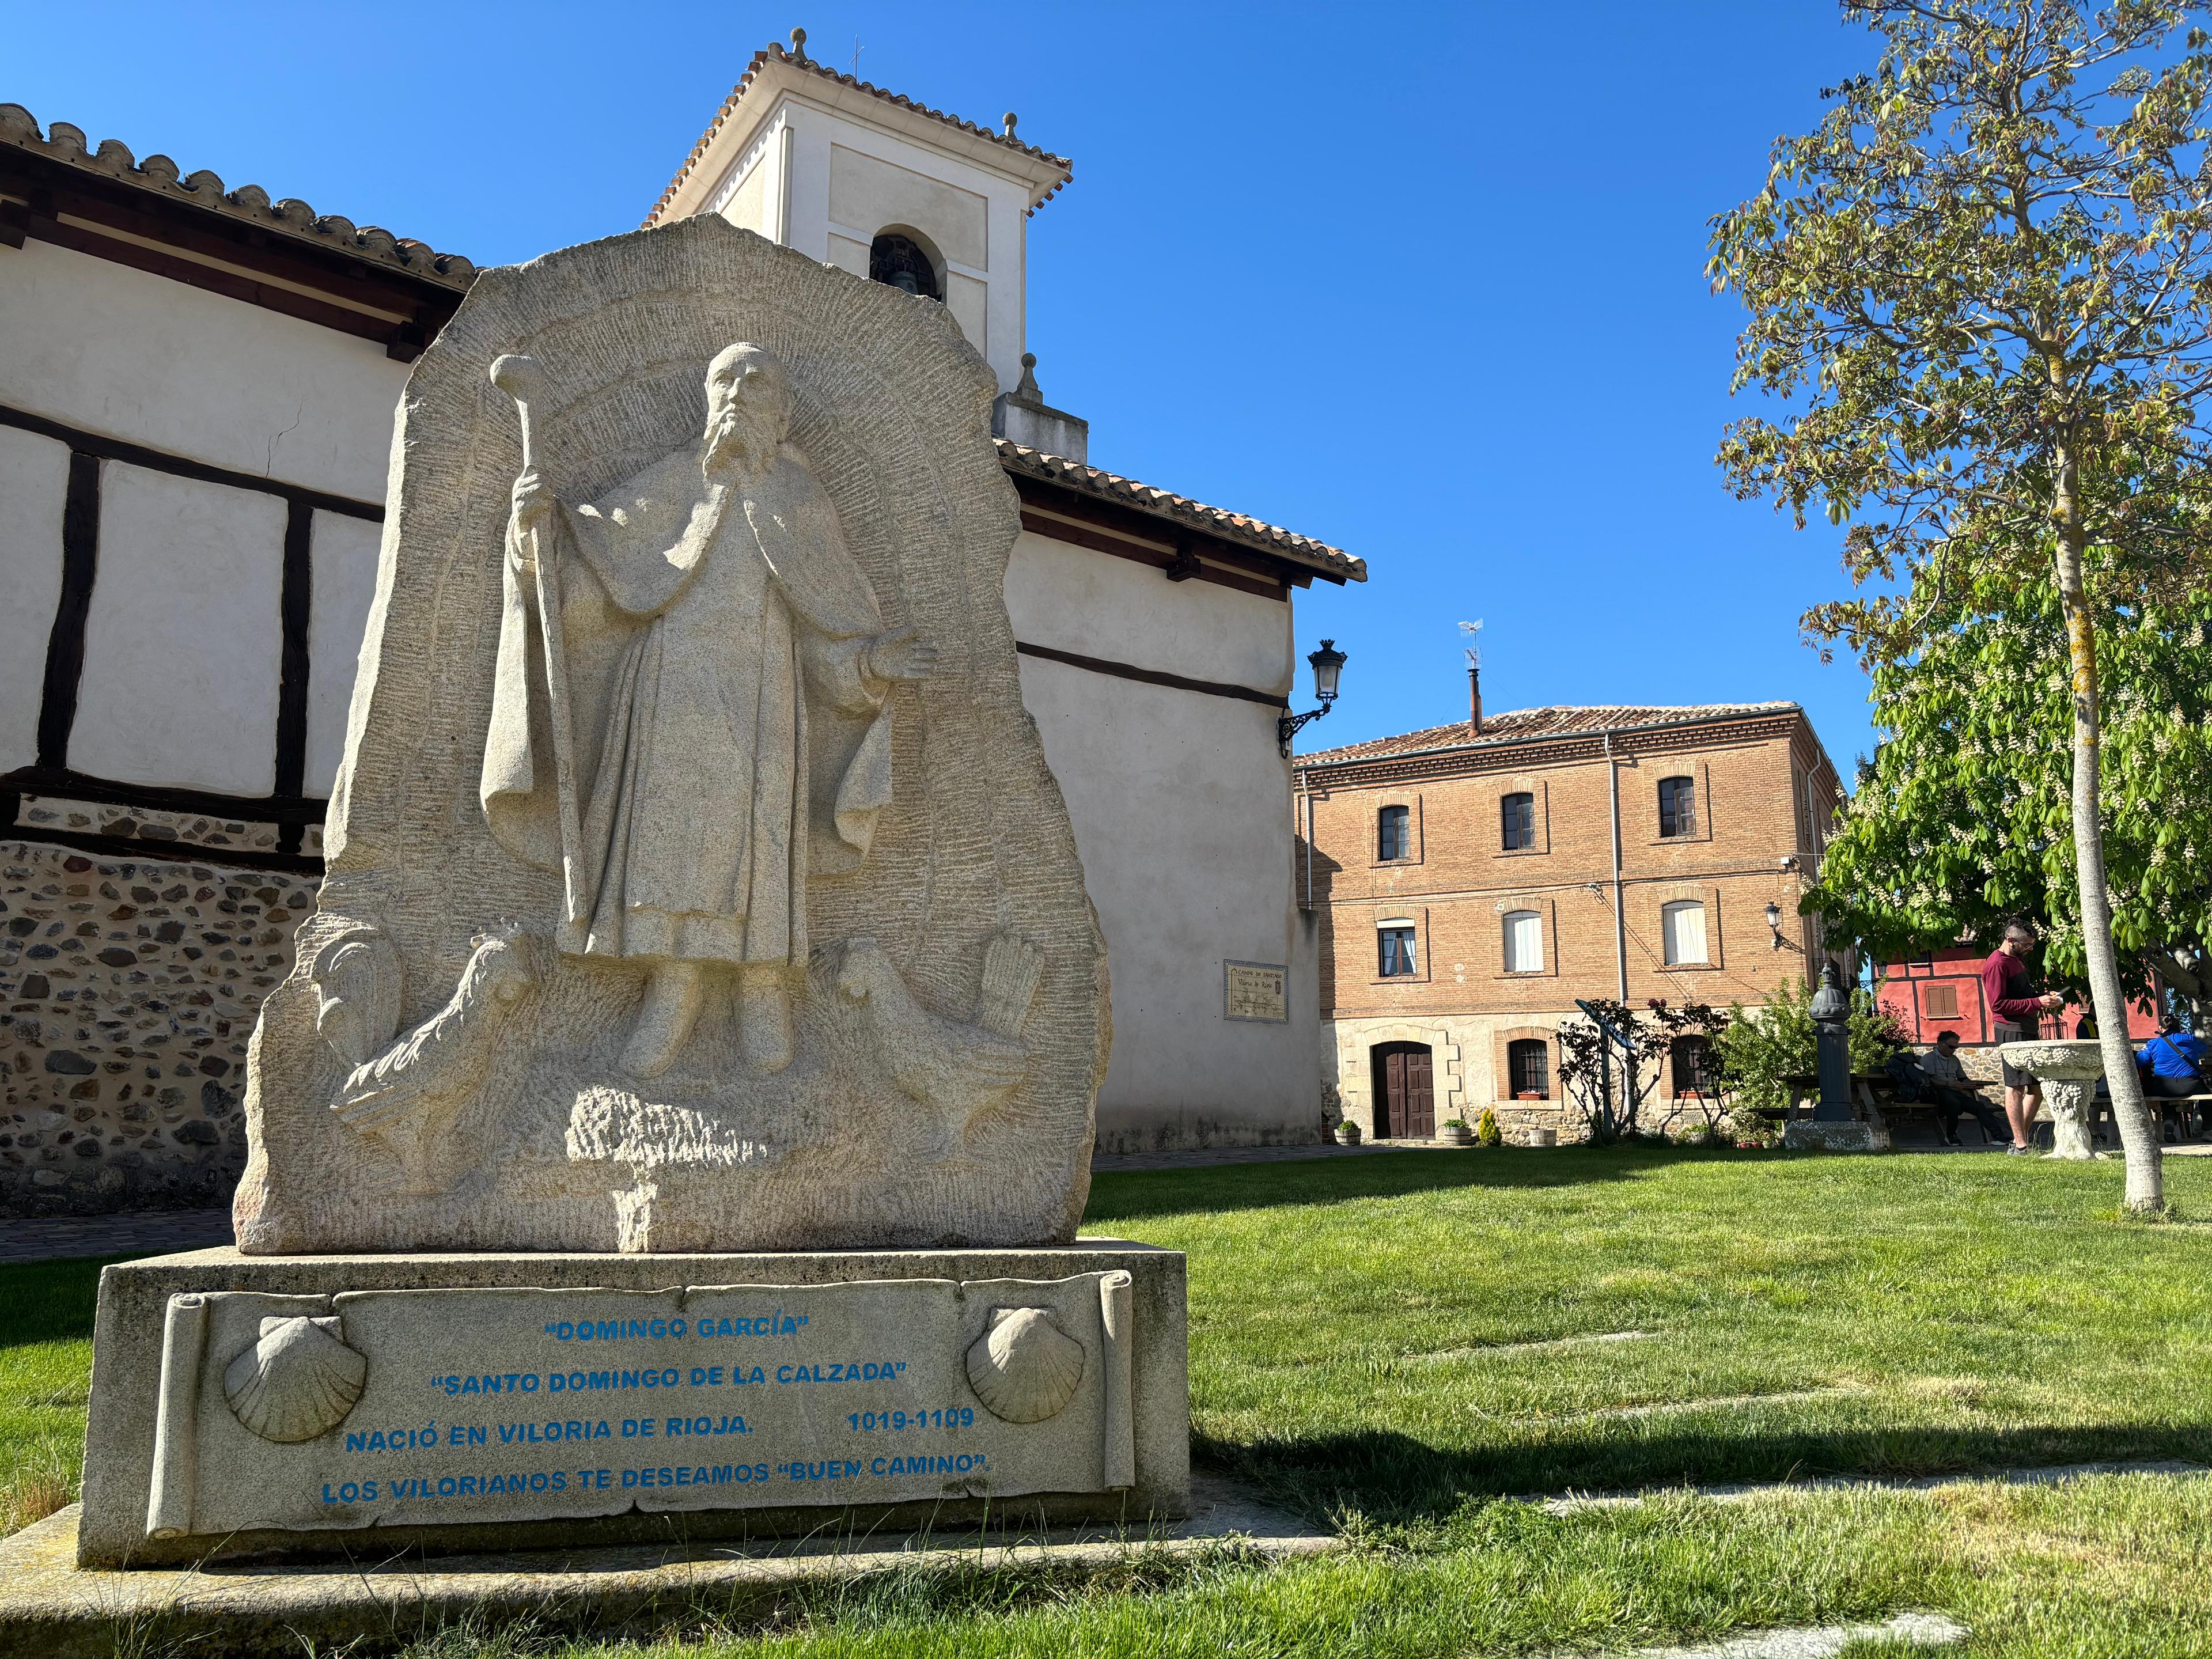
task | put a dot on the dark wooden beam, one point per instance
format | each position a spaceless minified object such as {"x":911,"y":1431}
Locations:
{"x":295,"y":605}
{"x":65,"y":642}
{"x":1122,"y":670}
{"x":71,"y":207}
{"x":60,"y":783}
{"x":165,"y":852}
{"x":1162,"y":533}
{"x":155,"y":460}
{"x":1102,"y":541}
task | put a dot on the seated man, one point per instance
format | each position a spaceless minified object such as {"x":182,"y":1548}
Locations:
{"x":2172,"y":1062}
{"x":1948,"y":1088}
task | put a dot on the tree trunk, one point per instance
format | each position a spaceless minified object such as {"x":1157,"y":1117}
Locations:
{"x":2146,"y":1181}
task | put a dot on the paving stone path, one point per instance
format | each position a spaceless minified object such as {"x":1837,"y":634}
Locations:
{"x":1105,"y":1161}
{"x":144,"y":1232}
{"x":1912,"y":1630}
{"x":2050,"y":1474}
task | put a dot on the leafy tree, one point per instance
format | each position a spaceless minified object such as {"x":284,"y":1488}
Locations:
{"x":1758,"y":1047}
{"x":1963,"y":818}
{"x":1978,"y":291}
{"x":1607,"y":1083}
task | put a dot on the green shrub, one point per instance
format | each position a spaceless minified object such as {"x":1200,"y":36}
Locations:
{"x":1759,"y":1047}
{"x":1486,"y":1130}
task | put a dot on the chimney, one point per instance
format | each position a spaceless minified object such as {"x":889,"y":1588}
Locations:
{"x":1474,"y":700}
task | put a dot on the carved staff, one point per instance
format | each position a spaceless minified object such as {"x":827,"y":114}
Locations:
{"x":523,"y":381}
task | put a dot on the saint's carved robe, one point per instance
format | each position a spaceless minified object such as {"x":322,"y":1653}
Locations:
{"x":710,"y":639}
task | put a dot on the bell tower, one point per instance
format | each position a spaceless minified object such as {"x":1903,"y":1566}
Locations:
{"x":878,"y":184}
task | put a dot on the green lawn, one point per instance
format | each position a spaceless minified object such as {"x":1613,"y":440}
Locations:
{"x":1393,"y":1342}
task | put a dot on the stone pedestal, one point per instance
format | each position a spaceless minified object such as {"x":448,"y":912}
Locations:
{"x":2067,"y":1072}
{"x":1818,"y":1135}
{"x":327,"y":1405}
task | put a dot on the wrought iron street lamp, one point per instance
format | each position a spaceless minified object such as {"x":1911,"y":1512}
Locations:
{"x":1327,"y":668}
{"x":1774,"y":922}
{"x":1832,"y":1014}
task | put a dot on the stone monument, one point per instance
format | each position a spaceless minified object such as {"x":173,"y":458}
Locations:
{"x":680,"y":1113}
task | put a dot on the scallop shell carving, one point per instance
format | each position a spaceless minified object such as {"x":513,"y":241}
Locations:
{"x":1025,"y":1367}
{"x":298,"y":1381}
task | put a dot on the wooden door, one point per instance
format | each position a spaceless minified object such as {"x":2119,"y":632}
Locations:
{"x":1405,"y":1103}
{"x":1420,"y":1119}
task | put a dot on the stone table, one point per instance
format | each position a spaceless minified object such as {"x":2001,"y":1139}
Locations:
{"x":2069,"y":1073}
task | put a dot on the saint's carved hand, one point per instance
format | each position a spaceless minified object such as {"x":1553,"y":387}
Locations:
{"x":902,"y":655}
{"x":533,"y":500}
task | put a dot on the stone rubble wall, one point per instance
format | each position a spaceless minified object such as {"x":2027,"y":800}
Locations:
{"x":129,"y":988}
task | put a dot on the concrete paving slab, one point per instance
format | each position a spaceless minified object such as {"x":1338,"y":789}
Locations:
{"x":50,"y":1608}
{"x":141,"y":1232}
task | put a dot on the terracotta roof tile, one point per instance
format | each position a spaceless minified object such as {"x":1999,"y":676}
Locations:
{"x":798,"y":59}
{"x":1233,"y":527}
{"x":62,"y":143}
{"x":1560,"y":720}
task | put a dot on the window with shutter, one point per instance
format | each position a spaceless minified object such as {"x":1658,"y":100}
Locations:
{"x":1518,"y":830}
{"x":1682,"y":929}
{"x":1394,"y":834}
{"x":1525,"y":942}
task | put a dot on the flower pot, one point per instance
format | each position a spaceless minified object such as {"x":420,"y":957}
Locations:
{"x":1527,"y":1094}
{"x":1458,"y":1135}
{"x":1347,"y":1133}
{"x":1543,"y":1137}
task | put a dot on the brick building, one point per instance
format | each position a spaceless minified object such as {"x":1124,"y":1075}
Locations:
{"x":1472,"y":880}
{"x":1943,"y":991}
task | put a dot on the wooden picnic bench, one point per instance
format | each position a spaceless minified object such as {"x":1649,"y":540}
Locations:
{"x":1874,"y":1100}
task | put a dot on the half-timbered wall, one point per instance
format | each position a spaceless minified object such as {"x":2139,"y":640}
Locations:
{"x":190,"y":504}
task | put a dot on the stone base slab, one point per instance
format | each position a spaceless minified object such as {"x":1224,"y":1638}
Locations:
{"x":173,"y":1475}
{"x":51,"y":1609}
{"x":1812,"y":1135}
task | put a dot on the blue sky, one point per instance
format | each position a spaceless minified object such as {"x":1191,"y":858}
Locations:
{"x":1423,"y":282}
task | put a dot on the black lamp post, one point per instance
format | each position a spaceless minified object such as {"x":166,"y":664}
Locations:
{"x":1327,"y":668}
{"x":1774,"y":922}
{"x":1832,"y":1011}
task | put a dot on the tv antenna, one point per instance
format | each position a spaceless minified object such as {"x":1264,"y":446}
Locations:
{"x":1471,"y":631}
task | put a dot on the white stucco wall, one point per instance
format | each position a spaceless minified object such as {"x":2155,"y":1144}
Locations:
{"x":1181,"y":804}
{"x":33,"y":487}
{"x":344,"y":551}
{"x":133,"y":355}
{"x":183,"y":643}
{"x":1075,"y":599}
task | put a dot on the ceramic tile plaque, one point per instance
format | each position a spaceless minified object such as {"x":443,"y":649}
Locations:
{"x":430,"y":1408}
{"x":1256,"y":990}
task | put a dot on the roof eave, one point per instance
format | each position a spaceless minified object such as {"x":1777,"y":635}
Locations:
{"x":773,"y":76}
{"x":292,"y":221}
{"x":1319,"y":758}
{"x":1050,"y":469}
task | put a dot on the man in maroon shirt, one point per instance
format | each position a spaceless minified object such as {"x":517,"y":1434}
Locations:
{"x":2019,"y":1012}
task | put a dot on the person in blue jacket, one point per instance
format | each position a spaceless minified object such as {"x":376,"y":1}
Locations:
{"x":2172,"y":1062}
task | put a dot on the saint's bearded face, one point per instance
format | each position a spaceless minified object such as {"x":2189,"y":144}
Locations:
{"x":747,"y":410}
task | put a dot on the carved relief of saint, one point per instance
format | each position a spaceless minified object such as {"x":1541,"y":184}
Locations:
{"x":690,"y":714}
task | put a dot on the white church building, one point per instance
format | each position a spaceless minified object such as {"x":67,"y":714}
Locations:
{"x":196,"y":392}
